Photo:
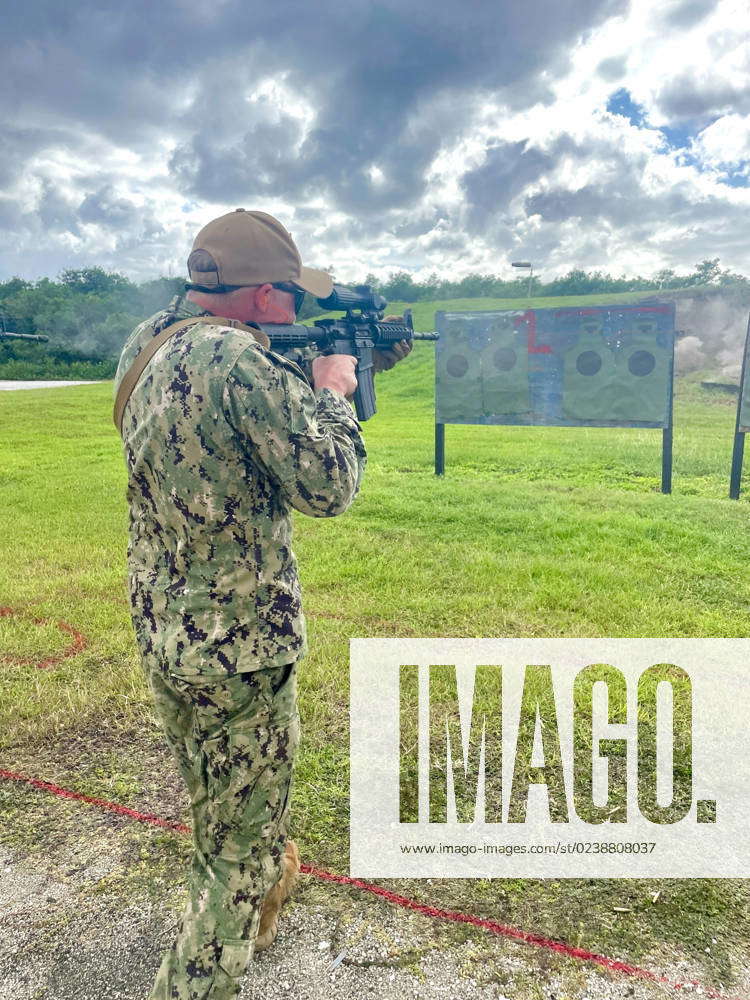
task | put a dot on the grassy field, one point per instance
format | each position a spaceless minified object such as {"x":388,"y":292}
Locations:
{"x":532,"y":532}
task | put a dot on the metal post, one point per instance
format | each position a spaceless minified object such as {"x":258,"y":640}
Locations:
{"x":524,"y":264}
{"x":666,"y":459}
{"x":666,"y":436}
{"x":439,"y":449}
{"x":735,"y":476}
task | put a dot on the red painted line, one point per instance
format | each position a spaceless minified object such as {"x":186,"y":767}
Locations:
{"x":502,"y":930}
{"x":79,"y":640}
{"x":67,"y":793}
{"x":529,"y":318}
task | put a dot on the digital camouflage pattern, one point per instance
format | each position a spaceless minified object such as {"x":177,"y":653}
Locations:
{"x":234,"y":741}
{"x":303,"y":357}
{"x":221,"y":439}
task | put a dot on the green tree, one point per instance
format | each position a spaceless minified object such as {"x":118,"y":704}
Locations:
{"x":400,"y":287}
{"x":707,"y":272}
{"x":95,"y":280}
{"x":666,"y":277}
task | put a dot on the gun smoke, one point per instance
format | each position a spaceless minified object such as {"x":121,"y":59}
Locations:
{"x":712,"y":328}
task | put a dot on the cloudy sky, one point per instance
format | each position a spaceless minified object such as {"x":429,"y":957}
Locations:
{"x":403,"y":134}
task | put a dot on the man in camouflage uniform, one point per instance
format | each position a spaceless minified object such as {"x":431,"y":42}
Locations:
{"x":222,"y":437}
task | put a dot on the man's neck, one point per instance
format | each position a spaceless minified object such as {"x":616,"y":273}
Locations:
{"x":231,"y":305}
{"x":248,"y":304}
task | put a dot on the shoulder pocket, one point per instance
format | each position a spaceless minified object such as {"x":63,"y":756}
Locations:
{"x":291,"y":366}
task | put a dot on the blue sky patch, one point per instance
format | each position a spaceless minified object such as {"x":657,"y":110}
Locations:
{"x":621,"y":103}
{"x":739,"y":176}
{"x":678,"y":136}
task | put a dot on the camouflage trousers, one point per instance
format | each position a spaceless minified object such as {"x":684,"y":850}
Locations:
{"x":234,"y":742}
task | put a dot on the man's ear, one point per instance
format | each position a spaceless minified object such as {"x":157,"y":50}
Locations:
{"x":262,"y":297}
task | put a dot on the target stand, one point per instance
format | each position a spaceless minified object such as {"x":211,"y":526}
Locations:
{"x":741,"y":425}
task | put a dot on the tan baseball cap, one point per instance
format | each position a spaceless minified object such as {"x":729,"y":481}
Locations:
{"x":251,"y":248}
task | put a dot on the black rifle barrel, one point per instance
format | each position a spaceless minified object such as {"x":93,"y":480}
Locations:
{"x":5,"y":335}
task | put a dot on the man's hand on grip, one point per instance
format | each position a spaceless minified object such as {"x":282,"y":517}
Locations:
{"x":335,"y":371}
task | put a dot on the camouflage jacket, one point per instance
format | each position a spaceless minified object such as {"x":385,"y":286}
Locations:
{"x":221,"y":439}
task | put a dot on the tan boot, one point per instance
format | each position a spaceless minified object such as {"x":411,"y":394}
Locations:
{"x":276,"y":896}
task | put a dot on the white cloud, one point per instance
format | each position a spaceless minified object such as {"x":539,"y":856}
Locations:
{"x":457,"y":165}
{"x":726,"y":141}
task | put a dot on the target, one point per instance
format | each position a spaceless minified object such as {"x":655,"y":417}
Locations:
{"x":606,"y":366}
{"x":618,"y":376}
{"x":504,"y":363}
{"x":459,"y":376}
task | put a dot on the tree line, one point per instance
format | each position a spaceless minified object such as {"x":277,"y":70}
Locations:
{"x":89,"y":310}
{"x":401,"y":286}
{"x":88,"y":313}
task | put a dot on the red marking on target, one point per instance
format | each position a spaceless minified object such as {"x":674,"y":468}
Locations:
{"x":437,"y":913}
{"x":529,"y":318}
{"x":78,"y":643}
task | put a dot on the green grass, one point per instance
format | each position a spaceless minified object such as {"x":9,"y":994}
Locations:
{"x":531,"y":532}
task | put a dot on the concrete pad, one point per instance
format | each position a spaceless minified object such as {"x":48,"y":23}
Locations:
{"x":7,"y":384}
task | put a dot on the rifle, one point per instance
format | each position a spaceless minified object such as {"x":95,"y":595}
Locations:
{"x":5,"y":335}
{"x":360,"y":332}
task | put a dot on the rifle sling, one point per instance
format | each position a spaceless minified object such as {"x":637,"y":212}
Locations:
{"x":135,"y":371}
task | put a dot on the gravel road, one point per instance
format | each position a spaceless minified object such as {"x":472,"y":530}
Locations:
{"x":63,"y":936}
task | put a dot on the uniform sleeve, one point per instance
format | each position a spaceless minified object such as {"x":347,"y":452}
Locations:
{"x":310,"y":445}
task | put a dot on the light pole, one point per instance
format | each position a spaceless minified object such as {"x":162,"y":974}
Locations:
{"x":525,"y":263}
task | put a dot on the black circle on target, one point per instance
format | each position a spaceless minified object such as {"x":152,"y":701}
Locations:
{"x":641,"y":363}
{"x":457,"y":365}
{"x":588,"y":363}
{"x":504,"y":358}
